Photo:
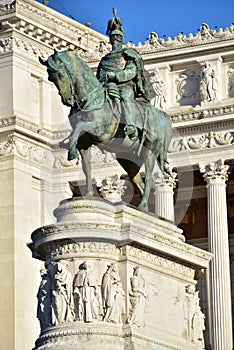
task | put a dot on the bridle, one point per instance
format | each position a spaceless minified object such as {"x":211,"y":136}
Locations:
{"x":84,"y":104}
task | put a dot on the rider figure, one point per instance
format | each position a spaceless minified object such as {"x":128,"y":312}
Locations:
{"x":124,"y":67}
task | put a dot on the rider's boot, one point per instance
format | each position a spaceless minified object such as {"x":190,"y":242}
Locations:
{"x":131,"y":131}
{"x":129,"y":111}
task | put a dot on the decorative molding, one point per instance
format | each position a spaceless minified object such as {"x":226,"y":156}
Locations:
{"x":7,"y":8}
{"x":32,"y":127}
{"x":202,"y":114}
{"x":114,"y":332}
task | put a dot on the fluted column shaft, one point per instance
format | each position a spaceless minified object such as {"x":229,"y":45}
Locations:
{"x":220,"y":286}
{"x":164,"y":197}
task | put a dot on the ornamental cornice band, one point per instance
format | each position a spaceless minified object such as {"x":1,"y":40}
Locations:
{"x":76,"y":36}
{"x":200,"y":114}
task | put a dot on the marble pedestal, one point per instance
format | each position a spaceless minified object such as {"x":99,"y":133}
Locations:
{"x":116,"y":278}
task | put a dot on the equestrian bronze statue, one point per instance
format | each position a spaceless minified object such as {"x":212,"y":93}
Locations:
{"x":112,"y":111}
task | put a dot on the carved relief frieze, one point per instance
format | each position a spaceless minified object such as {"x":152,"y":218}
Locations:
{"x":165,"y":242}
{"x":85,"y":295}
{"x":7,"y":146}
{"x":12,"y":144}
{"x":11,"y":43}
{"x":202,"y":141}
{"x":75,"y":248}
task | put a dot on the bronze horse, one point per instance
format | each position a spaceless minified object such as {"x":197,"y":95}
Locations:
{"x":96,"y":120}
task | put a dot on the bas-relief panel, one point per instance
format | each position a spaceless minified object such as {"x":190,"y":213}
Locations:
{"x":96,"y":290}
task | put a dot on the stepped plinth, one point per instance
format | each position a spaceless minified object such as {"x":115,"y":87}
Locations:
{"x":116,"y":277}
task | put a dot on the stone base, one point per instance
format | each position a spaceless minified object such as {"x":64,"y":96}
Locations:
{"x":106,"y":336}
{"x":153,"y":280}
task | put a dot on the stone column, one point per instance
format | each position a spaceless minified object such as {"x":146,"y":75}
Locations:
{"x":164,"y":201}
{"x":216,"y":175}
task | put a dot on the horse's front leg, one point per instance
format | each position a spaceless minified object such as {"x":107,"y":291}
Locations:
{"x":80,"y":128}
{"x":72,"y":152}
{"x":149,"y":167}
{"x":86,"y":166}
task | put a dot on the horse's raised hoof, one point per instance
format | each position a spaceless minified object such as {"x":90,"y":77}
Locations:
{"x":72,"y":153}
{"x":64,"y":143}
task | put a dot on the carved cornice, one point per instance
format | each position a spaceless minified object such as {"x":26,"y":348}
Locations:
{"x":10,"y":44}
{"x":206,"y":37}
{"x":202,"y":114}
{"x":46,"y":26}
{"x":54,"y":30}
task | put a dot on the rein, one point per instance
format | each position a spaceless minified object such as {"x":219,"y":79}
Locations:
{"x":83,"y":104}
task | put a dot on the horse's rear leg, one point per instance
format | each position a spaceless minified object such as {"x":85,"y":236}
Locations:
{"x":149,"y":167}
{"x":86,"y":166}
{"x":132,"y":170}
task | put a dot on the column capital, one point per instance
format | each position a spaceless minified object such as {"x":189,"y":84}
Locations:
{"x":165,"y":180}
{"x":215,"y":171}
{"x":111,"y":188}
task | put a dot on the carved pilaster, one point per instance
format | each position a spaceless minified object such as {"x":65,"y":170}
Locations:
{"x":216,"y":174}
{"x":164,"y":203}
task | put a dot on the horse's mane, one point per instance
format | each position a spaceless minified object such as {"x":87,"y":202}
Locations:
{"x":73,"y":63}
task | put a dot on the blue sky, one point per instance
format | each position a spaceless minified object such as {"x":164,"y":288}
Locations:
{"x":165,"y":17}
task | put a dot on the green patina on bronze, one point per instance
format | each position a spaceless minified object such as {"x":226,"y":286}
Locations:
{"x":112,"y":110}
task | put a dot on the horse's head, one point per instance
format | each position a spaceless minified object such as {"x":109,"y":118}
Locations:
{"x":58,"y":65}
